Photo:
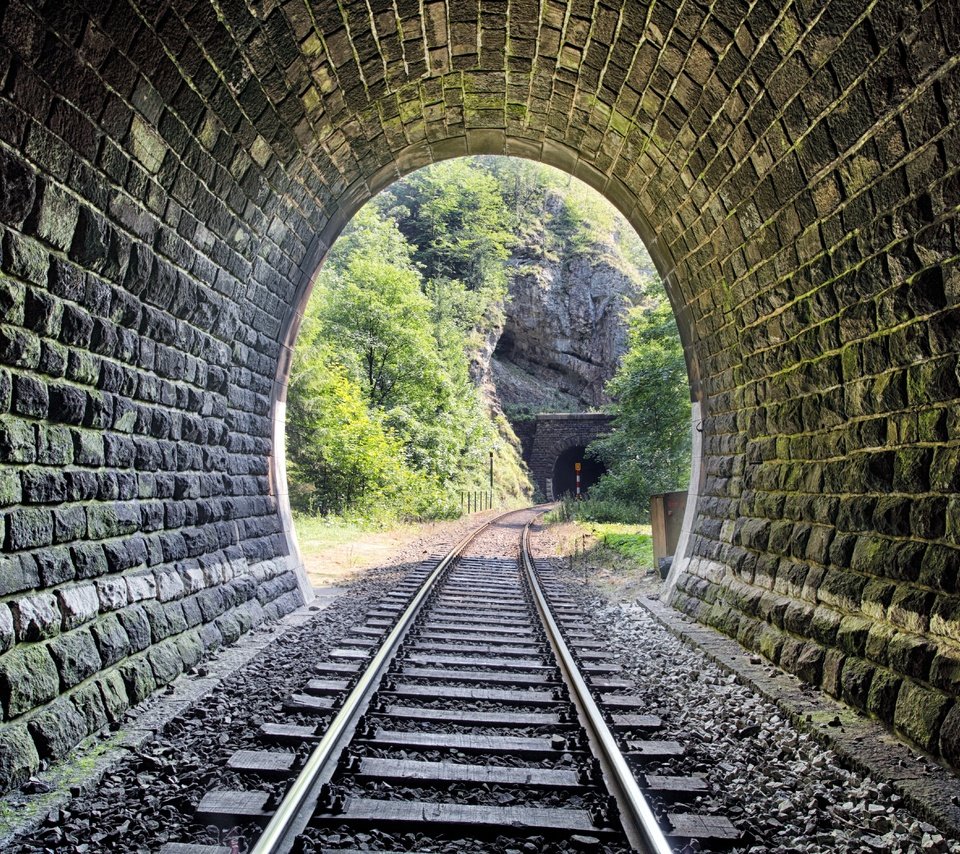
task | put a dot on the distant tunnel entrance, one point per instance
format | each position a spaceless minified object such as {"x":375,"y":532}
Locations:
{"x":564,"y":471}
{"x":559,"y":440}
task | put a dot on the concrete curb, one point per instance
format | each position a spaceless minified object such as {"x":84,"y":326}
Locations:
{"x":22,"y":813}
{"x":927,"y":788}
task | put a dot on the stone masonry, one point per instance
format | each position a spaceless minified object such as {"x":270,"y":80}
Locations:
{"x":172,"y":173}
{"x":557,"y":432}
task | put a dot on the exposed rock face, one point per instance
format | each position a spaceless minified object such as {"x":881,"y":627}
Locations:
{"x":565,"y":329}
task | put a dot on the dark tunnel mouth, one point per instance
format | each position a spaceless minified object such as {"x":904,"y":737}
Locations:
{"x":171,"y":213}
{"x":565,"y":473}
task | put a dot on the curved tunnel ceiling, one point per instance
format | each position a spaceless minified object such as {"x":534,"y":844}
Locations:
{"x":172,"y":174}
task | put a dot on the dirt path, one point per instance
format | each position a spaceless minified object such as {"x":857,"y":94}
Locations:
{"x":330,"y":563}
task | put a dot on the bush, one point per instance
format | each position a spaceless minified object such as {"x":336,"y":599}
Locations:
{"x":599,"y":510}
{"x":648,"y":451}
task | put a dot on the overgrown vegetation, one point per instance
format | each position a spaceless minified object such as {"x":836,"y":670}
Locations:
{"x":648,"y":451}
{"x":593,"y":509}
{"x":384,"y":418}
{"x":625,"y":546}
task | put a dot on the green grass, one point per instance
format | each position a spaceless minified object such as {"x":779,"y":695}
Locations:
{"x":596,"y":510}
{"x":315,"y":534}
{"x":632,"y":541}
{"x":618,"y":528}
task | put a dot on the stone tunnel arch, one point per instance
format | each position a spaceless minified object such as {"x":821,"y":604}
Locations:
{"x":554,"y":435}
{"x":172,"y":173}
{"x":563,"y":482}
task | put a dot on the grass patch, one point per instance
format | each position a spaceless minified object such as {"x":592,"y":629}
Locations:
{"x":609,"y":531}
{"x":322,"y":537}
{"x":631,"y":541}
{"x":599,"y":510}
{"x":615,"y":558}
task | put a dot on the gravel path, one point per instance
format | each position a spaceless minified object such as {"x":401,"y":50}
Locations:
{"x":789,"y":793}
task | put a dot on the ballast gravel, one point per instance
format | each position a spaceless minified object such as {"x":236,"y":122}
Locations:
{"x":150,"y":798}
{"x":777,"y":784}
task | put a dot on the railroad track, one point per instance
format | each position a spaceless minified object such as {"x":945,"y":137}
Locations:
{"x":472,"y":711}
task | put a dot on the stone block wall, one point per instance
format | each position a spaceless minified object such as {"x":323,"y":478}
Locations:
{"x":827,"y":534}
{"x":172,"y":172}
{"x":138,"y":245}
{"x":555,"y":433}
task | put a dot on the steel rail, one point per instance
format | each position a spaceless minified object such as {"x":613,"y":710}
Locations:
{"x":639,"y":823}
{"x":294,"y":811}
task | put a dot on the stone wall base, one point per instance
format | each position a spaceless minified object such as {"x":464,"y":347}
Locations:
{"x":155,"y":643}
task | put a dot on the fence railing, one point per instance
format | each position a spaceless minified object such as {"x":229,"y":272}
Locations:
{"x":475,"y":500}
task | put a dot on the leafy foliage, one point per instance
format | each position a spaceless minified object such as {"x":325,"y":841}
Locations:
{"x":382,"y":409}
{"x":379,"y":320}
{"x":384,"y":415}
{"x":340,"y":451}
{"x":649,"y":450}
{"x":454,"y":218}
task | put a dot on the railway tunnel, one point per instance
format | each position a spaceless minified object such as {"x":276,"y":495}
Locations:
{"x":172,"y":174}
{"x":554,"y":446}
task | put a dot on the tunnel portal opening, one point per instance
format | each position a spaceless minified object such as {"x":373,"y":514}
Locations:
{"x":565,"y":472}
{"x":166,"y":206}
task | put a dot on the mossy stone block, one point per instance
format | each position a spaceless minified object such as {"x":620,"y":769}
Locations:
{"x":138,"y":679}
{"x":165,"y":662}
{"x":876,"y":597}
{"x":882,"y":697}
{"x":57,"y":729}
{"x":878,"y":639}
{"x":950,"y":736}
{"x":852,"y":634}
{"x":19,"y":759}
{"x":28,"y":678}
{"x":89,"y":702}
{"x":855,"y":681}
{"x":945,"y":670}
{"x":910,"y":607}
{"x":833,"y":661}
{"x":113,"y":690}
{"x":919,"y":713}
{"x":825,"y":625}
{"x":76,"y":656}
{"x":770,"y":643}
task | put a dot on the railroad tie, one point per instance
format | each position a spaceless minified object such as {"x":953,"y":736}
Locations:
{"x":380,"y":813}
{"x":266,"y":763}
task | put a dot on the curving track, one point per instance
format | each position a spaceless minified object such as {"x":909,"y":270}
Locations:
{"x":470,"y":712}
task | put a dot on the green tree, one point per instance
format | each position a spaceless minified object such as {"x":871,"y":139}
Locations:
{"x":339,"y":452}
{"x":454,"y":217}
{"x":649,"y":449}
{"x":379,"y":322}
{"x":384,"y":355}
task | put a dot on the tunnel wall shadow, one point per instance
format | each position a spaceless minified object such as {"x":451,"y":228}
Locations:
{"x":173,"y":174}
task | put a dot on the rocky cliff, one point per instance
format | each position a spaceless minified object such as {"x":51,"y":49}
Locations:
{"x":565,"y":328}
